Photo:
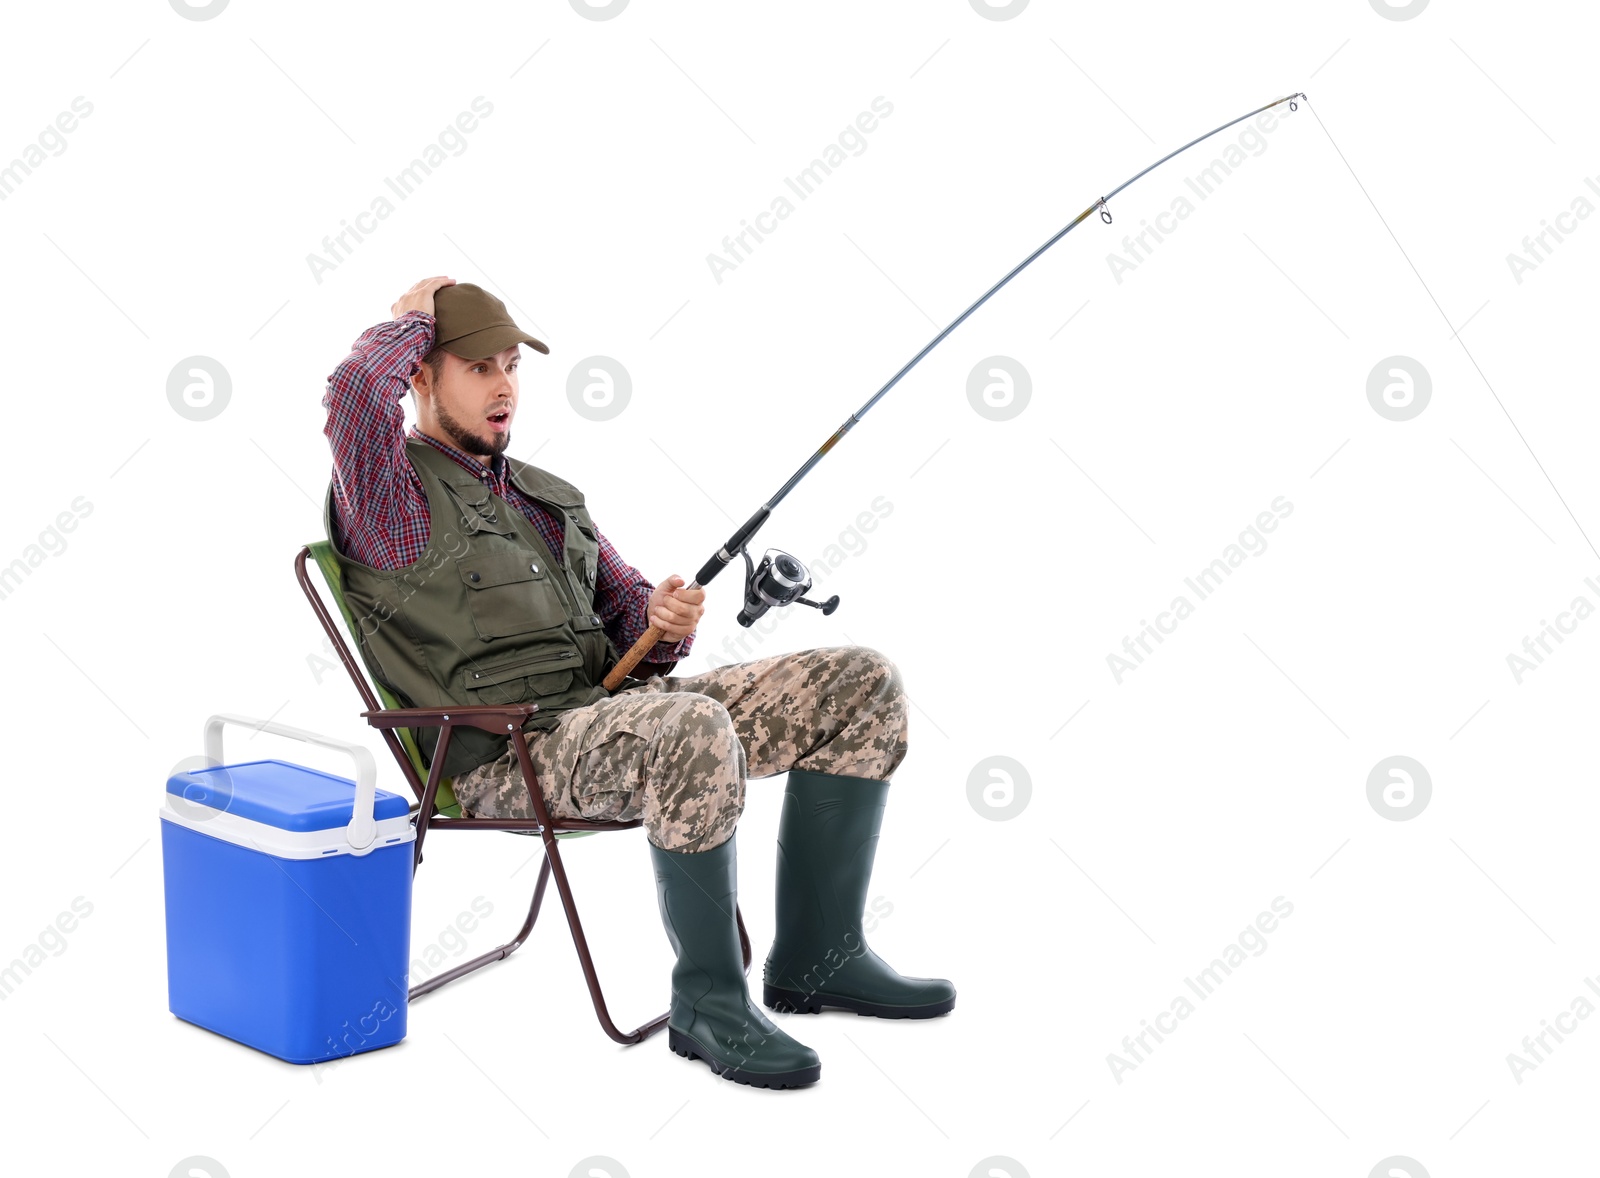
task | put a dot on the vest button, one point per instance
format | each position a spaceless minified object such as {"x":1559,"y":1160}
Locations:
{"x":534,"y":567}
{"x":472,"y":576}
{"x":595,"y":618}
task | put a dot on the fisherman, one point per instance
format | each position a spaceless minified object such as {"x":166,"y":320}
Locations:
{"x":482,"y":579}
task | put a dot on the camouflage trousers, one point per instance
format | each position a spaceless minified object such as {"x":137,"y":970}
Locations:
{"x":676,"y":750}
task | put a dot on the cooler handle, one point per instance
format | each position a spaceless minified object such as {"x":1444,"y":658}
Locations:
{"x":363,"y":829}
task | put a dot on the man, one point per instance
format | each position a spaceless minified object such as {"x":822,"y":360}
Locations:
{"x":481,"y":579}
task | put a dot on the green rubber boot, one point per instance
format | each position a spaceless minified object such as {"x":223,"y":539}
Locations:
{"x":712,"y":1017}
{"x":827,"y":838}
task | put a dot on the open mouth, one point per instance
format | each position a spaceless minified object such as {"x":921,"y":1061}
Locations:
{"x":500,"y":422}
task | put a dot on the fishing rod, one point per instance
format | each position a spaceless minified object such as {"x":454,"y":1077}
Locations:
{"x":779,"y":579}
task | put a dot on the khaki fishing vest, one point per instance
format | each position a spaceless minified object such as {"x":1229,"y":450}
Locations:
{"x":484,"y":616}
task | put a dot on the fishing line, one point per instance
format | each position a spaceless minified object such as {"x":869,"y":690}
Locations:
{"x":779,"y":579}
{"x":1455,"y":333}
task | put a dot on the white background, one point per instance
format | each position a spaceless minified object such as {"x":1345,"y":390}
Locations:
{"x":1228,"y":369}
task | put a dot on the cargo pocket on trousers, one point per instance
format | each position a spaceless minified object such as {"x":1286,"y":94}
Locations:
{"x":607,"y":780}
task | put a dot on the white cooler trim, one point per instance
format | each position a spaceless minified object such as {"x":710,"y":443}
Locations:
{"x":280,"y":843}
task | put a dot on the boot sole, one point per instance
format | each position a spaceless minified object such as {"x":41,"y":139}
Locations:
{"x":791,"y":1002}
{"x":690,"y":1048}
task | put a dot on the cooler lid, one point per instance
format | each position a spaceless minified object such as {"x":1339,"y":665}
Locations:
{"x":281,"y":794}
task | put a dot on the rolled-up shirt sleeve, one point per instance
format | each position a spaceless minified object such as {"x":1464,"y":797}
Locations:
{"x":379,"y":508}
{"x":622,"y":599}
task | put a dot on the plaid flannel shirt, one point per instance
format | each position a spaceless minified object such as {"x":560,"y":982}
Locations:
{"x":380,"y":508}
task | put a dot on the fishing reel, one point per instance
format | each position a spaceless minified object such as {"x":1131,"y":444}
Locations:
{"x":779,"y":579}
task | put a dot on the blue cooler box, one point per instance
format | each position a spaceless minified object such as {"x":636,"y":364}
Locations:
{"x":288,"y":895}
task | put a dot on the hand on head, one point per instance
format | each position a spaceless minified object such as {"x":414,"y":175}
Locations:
{"x":419,"y":297}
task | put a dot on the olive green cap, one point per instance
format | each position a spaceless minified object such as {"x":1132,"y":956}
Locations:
{"x":471,"y":323}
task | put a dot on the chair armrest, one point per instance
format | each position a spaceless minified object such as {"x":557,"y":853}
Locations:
{"x":486,"y":716}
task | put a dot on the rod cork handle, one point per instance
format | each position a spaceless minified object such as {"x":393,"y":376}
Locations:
{"x":637,"y":651}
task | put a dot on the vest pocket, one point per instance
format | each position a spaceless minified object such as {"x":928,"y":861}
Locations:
{"x":583,"y":550}
{"x":510,"y":593}
{"x":524,"y":680}
{"x":479,"y":512}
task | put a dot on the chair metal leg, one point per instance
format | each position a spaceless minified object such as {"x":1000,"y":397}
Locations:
{"x":497,"y":954}
{"x":500,"y":953}
{"x":644,"y":1031}
{"x":639,"y":1033}
{"x":553,"y":860}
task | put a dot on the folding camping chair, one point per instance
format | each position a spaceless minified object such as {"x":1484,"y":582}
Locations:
{"x":437,"y":807}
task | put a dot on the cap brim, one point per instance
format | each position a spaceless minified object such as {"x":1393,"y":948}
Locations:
{"x":480,"y":345}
